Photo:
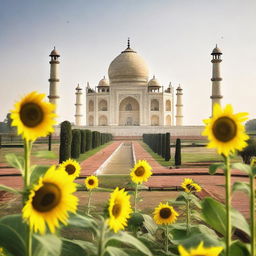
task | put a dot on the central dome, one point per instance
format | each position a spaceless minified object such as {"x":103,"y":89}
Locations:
{"x":128,"y":67}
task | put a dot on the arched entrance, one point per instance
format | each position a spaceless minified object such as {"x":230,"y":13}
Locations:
{"x":129,"y":112}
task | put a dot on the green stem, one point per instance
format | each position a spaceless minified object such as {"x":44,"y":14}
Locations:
{"x":253,"y":216}
{"x":135,"y":197}
{"x":228,"y":206}
{"x":27,"y":151}
{"x":166,"y":239}
{"x":188,"y":214}
{"x":89,"y":202}
{"x":101,"y":248}
{"x":29,"y":242}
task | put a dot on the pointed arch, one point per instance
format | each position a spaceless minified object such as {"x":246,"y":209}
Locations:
{"x":154,"y":120}
{"x":103,"y":121}
{"x":103,"y":105}
{"x":91,"y":120}
{"x":168,"y":120}
{"x":154,"y":105}
{"x":91,"y":106}
{"x":168,"y":105}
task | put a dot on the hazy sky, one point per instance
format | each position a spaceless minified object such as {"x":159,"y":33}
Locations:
{"x":175,"y":37}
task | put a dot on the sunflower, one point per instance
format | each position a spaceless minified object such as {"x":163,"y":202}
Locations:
{"x":71,"y":167}
{"x":165,"y":214}
{"x":141,"y":172}
{"x":49,"y":201}
{"x":190,"y":186}
{"x":225,"y":130}
{"x":33,"y":117}
{"x":91,"y":182}
{"x":119,"y":209}
{"x":200,"y":250}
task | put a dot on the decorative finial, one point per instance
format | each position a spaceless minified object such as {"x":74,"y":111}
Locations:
{"x":216,"y":46}
{"x":154,"y":77}
{"x":128,"y":43}
{"x":104,"y":77}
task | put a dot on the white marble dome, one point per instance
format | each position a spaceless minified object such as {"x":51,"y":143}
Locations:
{"x":128,"y":67}
{"x":154,"y":82}
{"x":103,"y":82}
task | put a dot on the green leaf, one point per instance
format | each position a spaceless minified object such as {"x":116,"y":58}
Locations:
{"x":114,"y":251}
{"x":214,"y":214}
{"x":149,"y":224}
{"x":9,"y":189}
{"x":79,"y":221}
{"x":125,"y":238}
{"x":46,"y":154}
{"x":16,"y":162}
{"x":38,"y":171}
{"x":241,"y":186}
{"x":239,"y":221}
{"x":239,"y":249}
{"x":214,"y":167}
{"x":136,"y":219}
{"x":242,"y":167}
{"x":77,"y":248}
{"x":48,"y":245}
{"x":69,"y":248}
{"x":10,"y":237}
{"x":254,"y":170}
{"x":197,"y":234}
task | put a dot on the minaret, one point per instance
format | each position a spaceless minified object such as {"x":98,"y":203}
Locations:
{"x":216,"y":79}
{"x":78,"y":105}
{"x":179,"y":106}
{"x":54,"y":80}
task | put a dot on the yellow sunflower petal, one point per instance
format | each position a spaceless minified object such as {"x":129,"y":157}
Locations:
{"x":225,"y":130}
{"x":33,"y":117}
{"x":141,"y":172}
{"x":165,"y":214}
{"x":71,"y":167}
{"x":200,"y":250}
{"x":50,"y":201}
{"x":91,"y":182}
{"x":119,"y":209}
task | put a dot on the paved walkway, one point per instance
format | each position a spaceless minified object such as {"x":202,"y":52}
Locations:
{"x":213,"y":185}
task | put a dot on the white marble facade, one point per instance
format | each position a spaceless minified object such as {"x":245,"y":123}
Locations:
{"x":129,"y":98}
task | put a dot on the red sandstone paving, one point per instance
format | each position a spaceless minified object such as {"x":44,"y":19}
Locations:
{"x":212,"y":185}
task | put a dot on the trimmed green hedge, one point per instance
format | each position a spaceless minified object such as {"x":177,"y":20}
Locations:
{"x":65,"y":141}
{"x":76,"y":144}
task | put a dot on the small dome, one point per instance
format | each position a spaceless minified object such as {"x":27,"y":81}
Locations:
{"x":128,"y":67}
{"x":216,"y":50}
{"x":103,"y":82}
{"x":54,"y":53}
{"x":154,"y":82}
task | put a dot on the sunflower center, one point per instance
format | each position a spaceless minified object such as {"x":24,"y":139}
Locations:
{"x":116,"y":210}
{"x":139,"y":171}
{"x":70,"y":169}
{"x":46,"y":198}
{"x":31,"y":114}
{"x":91,"y":182}
{"x":165,"y":213}
{"x":190,"y":187}
{"x":224,"y":129}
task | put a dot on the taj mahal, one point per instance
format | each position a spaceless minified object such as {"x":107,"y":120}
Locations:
{"x":129,"y":102}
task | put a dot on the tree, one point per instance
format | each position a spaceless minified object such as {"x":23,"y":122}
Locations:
{"x":250,"y":125}
{"x":248,"y":152}
{"x":178,"y":153}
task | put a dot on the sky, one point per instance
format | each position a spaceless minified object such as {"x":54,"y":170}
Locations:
{"x":175,"y":38}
